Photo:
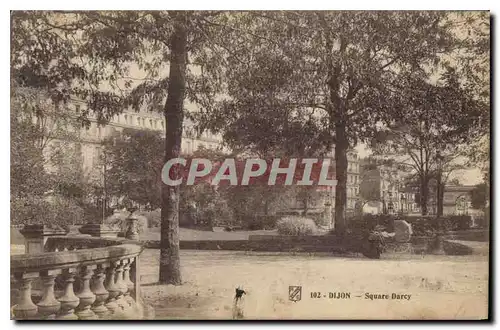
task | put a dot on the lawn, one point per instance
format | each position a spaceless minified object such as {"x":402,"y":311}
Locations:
{"x":187,"y":234}
{"x":441,"y":287}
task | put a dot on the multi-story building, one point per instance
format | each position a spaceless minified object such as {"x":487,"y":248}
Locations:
{"x":383,"y":189}
{"x":324,"y":198}
{"x":93,"y":136}
{"x":352,"y":186}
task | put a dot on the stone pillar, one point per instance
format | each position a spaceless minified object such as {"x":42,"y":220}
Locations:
{"x":35,"y":237}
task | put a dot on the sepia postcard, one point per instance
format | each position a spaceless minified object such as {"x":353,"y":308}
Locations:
{"x":250,"y":165}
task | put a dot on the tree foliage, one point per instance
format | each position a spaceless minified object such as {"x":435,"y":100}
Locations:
{"x":320,"y":78}
{"x":478,"y":196}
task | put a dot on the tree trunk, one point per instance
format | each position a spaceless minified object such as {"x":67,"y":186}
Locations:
{"x":169,"y":245}
{"x":341,"y":147}
{"x":440,"y":196}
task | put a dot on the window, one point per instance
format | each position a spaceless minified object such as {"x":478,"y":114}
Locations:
{"x":151,"y":123}
{"x":126,"y":119}
{"x":390,"y":207}
{"x":77,"y":108}
{"x":138,"y":121}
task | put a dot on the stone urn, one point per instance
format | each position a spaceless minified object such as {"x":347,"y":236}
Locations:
{"x":132,"y":227}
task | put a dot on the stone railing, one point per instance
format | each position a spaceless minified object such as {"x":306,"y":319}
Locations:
{"x":77,"y":277}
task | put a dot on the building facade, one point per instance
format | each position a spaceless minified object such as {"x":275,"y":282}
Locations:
{"x":323,"y":199}
{"x":92,"y":137}
{"x":383,"y":189}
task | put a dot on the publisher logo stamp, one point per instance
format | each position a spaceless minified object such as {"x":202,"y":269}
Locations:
{"x":294,"y":293}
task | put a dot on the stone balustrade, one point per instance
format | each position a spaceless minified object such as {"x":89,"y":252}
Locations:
{"x":78,"y":278}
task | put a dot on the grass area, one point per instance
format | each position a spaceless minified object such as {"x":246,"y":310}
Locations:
{"x":441,"y":287}
{"x":187,"y":234}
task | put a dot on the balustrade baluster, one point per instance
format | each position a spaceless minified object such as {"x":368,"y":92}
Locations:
{"x":49,"y":305}
{"x":25,"y":308}
{"x":113,"y":290}
{"x":101,"y":294}
{"x":120,"y":283}
{"x":136,"y":279}
{"x":86,"y":296}
{"x":69,"y":301}
{"x":128,"y":282}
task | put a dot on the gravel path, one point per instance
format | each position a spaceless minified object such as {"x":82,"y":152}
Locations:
{"x":441,"y":287}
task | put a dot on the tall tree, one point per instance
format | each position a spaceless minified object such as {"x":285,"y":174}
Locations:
{"x":96,"y":57}
{"x":331,"y":68}
{"x":478,"y":196}
{"x":430,"y":124}
{"x":133,"y":162}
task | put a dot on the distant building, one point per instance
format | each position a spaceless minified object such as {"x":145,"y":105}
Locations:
{"x":323,"y":200}
{"x":353,"y":182}
{"x":383,"y":189}
{"x":93,"y":136}
{"x":456,"y":201}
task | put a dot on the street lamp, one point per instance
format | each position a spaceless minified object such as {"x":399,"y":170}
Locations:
{"x":439,"y":248}
{"x":403,"y":202}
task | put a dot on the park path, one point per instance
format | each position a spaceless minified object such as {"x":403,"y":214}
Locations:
{"x":442,"y":287}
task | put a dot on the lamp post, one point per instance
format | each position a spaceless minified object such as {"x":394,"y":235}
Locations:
{"x":403,"y":202}
{"x":439,"y":247}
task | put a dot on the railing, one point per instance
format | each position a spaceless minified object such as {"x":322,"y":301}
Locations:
{"x":84,"y":278}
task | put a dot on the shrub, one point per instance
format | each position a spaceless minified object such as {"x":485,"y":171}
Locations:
{"x":429,"y":225}
{"x":368,"y":222}
{"x":296,"y":226}
{"x":119,"y":220}
{"x":54,"y":212}
{"x":259,"y":222}
{"x":481,"y":222}
{"x":422,"y":226}
{"x":153,"y":217}
{"x":457,"y":222}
